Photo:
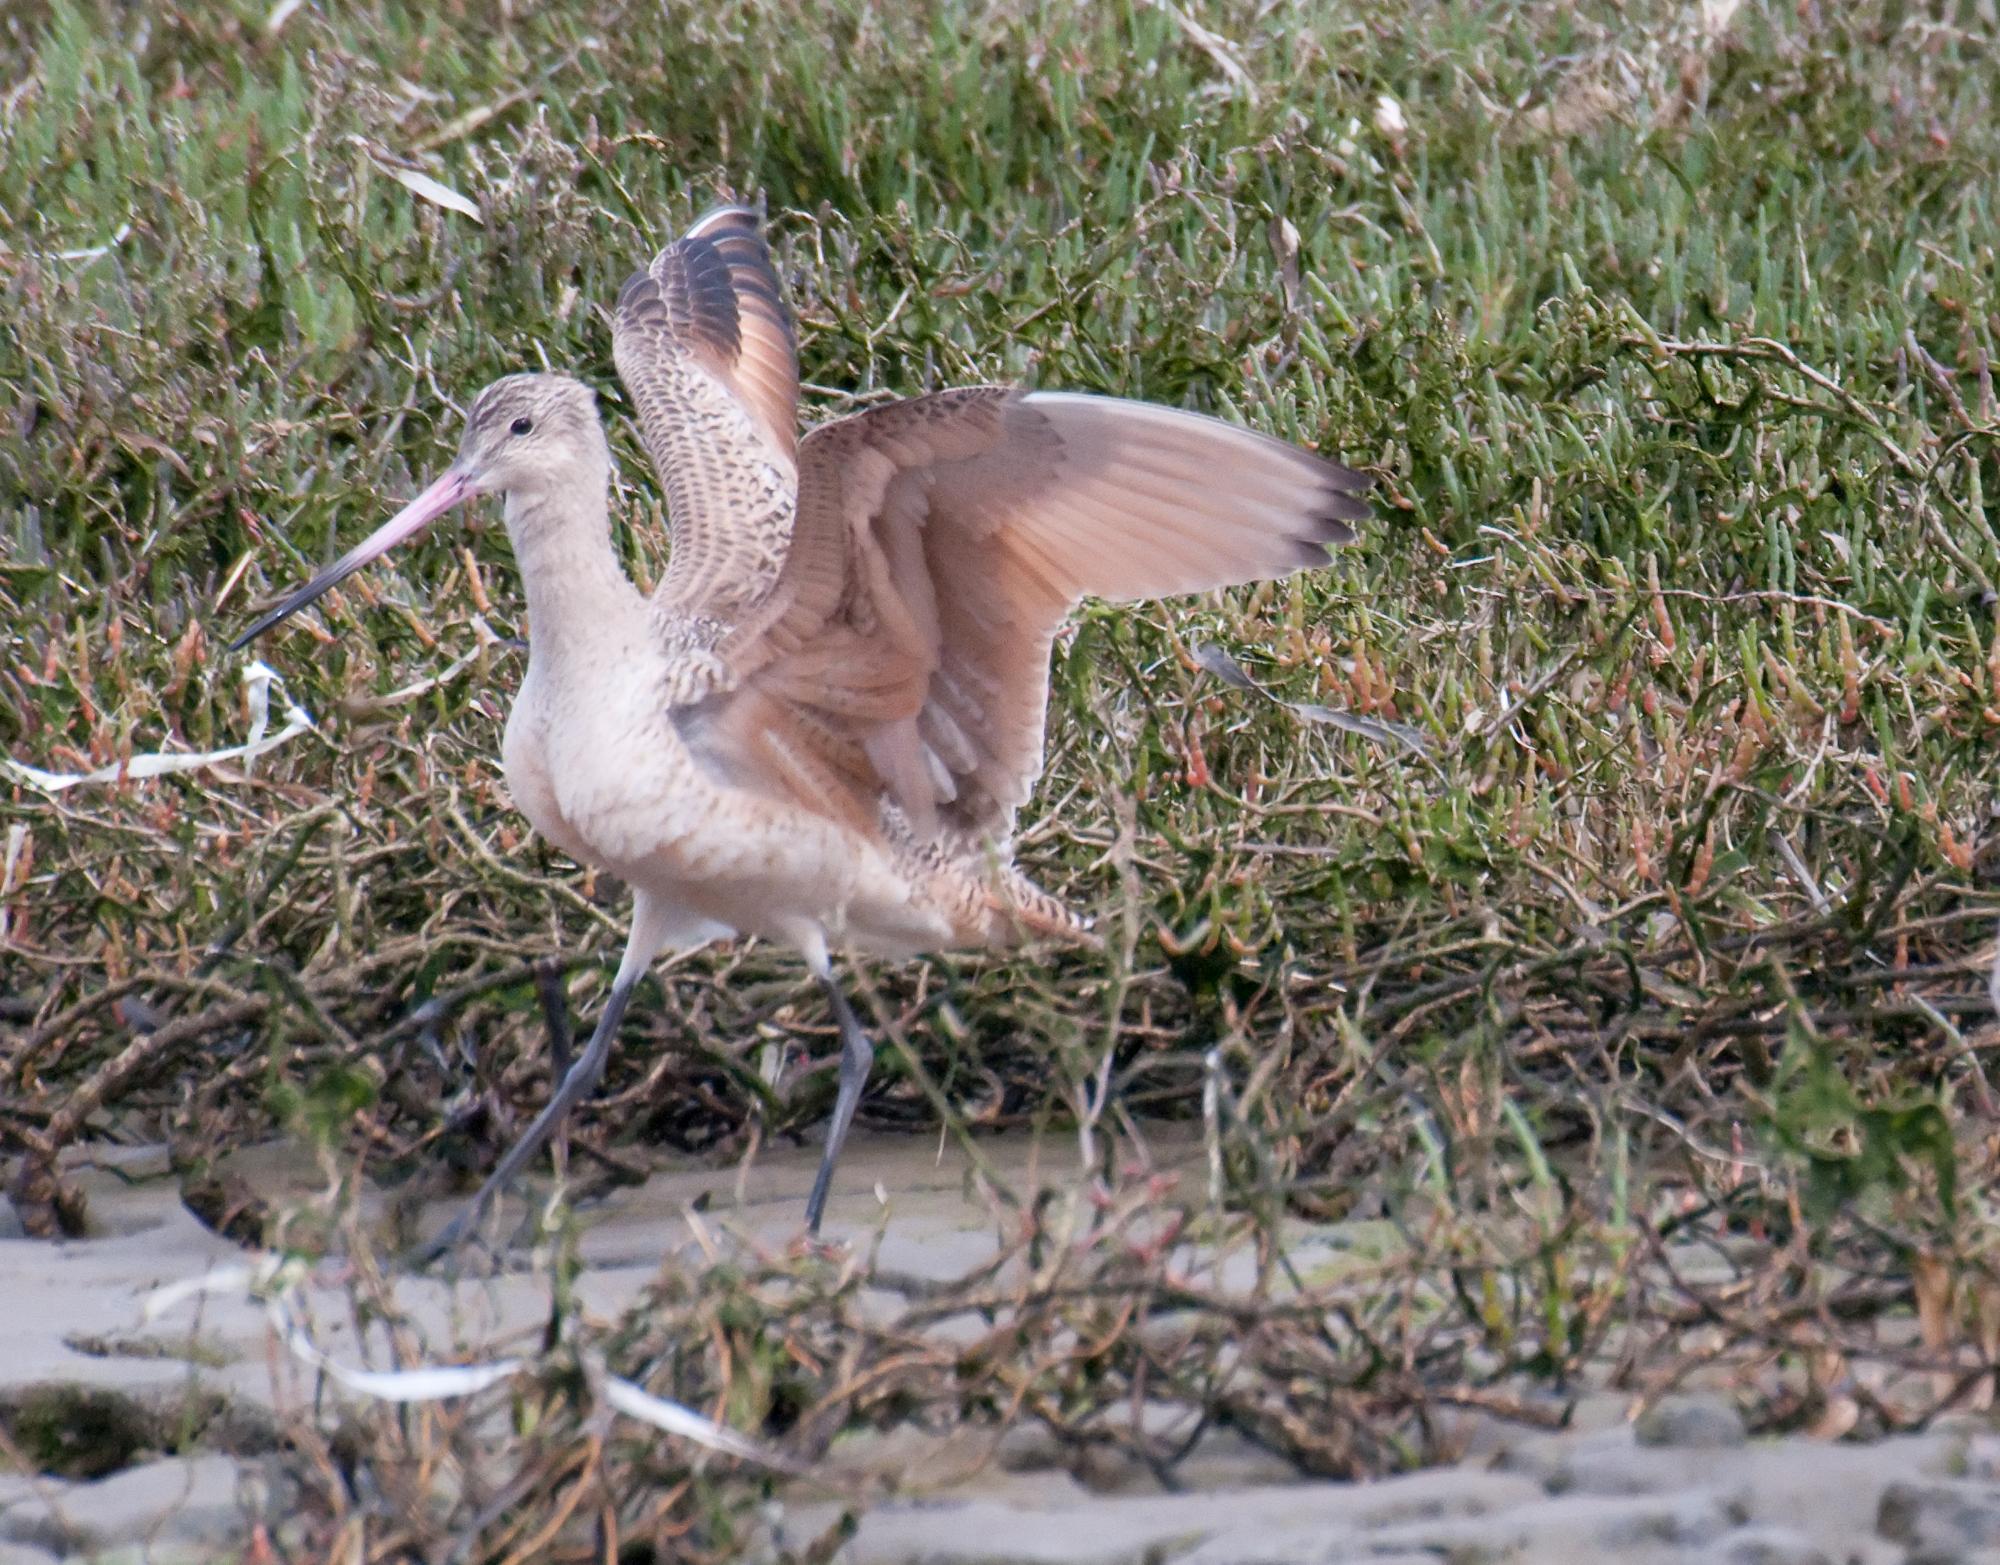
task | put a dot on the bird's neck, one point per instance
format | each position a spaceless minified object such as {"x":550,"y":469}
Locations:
{"x":578,"y":593}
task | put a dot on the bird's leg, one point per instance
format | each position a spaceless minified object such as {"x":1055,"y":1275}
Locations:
{"x":651,"y":922}
{"x":575,"y":1086}
{"x":555,"y":1015}
{"x":555,"y":1012}
{"x":857,"y":1058}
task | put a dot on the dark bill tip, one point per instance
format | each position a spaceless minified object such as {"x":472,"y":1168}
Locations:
{"x":447,"y":492}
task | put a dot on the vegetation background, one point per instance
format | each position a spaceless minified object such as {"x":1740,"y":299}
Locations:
{"x":1668,"y":329}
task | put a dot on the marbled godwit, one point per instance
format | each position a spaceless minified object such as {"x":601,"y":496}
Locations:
{"x":821,"y":724}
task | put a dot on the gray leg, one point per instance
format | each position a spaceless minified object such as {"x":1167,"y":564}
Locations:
{"x":576,"y":1085}
{"x":555,"y":1012}
{"x":857,"y":1058}
{"x":654,"y":926}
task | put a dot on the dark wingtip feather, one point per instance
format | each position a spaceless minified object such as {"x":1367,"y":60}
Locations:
{"x":687,"y":290}
{"x":698,"y":285}
{"x":1343,"y":499}
{"x":1329,"y":531}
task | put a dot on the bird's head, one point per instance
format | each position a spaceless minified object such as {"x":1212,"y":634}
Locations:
{"x":527,"y":434}
{"x":527,"y":437}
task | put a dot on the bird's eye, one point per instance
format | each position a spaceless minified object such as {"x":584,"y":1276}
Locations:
{"x":523,"y":426}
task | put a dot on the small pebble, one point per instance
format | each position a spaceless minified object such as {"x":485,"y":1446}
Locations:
{"x":192,"y":1502}
{"x":1766,"y":1546}
{"x":1690,"y":1422}
{"x":1942,"y":1517}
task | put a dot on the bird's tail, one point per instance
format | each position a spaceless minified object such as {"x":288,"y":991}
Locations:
{"x":970,"y":885}
{"x":1019,"y":912}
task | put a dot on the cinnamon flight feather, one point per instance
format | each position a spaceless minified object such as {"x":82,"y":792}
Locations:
{"x":914,"y":574}
{"x":940,"y":543}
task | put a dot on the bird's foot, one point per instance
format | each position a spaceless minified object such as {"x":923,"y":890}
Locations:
{"x":458,"y":1238}
{"x":446,"y":1242}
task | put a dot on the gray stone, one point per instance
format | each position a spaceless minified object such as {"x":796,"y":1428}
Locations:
{"x":191,"y":1501}
{"x":1221,"y":1460}
{"x":1593,"y":1412}
{"x":1230,"y":1528}
{"x":1766,"y":1546}
{"x":1610,"y":1463}
{"x":1551,"y":1457}
{"x":1942,"y":1515}
{"x":1574,"y":1527}
{"x":1828,"y":1492}
{"x":1476,"y":1434}
{"x":1979,"y":1456}
{"x":1962,"y":1423}
{"x":1029,"y":1448}
{"x":1226,"y":1460}
{"x":159,"y":1552}
{"x":1701,"y":1423}
{"x":1682,"y":1519}
{"x":907,"y":1463}
{"x":986,"y":1532}
{"x":1281,"y":1546}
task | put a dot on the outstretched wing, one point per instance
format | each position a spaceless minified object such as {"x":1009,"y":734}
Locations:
{"x":704,"y":344}
{"x":940,"y":543}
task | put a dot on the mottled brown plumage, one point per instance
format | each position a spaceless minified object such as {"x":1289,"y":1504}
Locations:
{"x":821,"y":724}
{"x":704,"y":344}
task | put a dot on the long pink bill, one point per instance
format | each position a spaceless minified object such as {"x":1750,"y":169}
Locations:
{"x":447,"y":492}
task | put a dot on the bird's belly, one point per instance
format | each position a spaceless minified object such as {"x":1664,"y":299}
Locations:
{"x":622,"y":792}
